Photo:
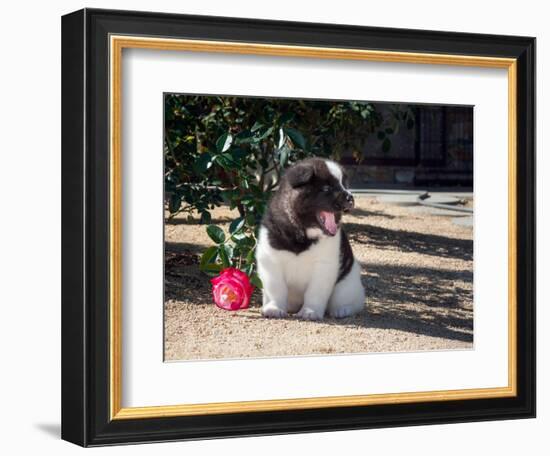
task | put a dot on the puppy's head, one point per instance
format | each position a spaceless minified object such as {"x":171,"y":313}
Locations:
{"x":318,"y":194}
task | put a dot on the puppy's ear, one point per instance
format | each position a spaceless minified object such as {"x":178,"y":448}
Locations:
{"x":299,"y":175}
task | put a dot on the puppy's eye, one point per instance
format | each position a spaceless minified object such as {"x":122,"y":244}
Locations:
{"x":326,"y":188}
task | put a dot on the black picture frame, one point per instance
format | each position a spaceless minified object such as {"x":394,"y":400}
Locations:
{"x":85,"y":227}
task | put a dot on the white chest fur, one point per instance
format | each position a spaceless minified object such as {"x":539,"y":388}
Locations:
{"x":298,"y":269}
{"x":295,"y":280}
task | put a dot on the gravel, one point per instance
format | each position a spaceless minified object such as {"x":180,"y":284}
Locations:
{"x":417,"y":272}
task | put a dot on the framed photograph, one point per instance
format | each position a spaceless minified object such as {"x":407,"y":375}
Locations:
{"x":278,"y":227}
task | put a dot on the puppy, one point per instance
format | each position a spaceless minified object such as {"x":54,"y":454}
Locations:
{"x":303,"y":256}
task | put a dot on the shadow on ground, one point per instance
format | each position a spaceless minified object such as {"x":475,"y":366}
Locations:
{"x":408,"y":241}
{"x":432,"y":287}
{"x":428,"y":301}
{"x":360,"y":212}
{"x":180,"y":247}
{"x":397,"y":299}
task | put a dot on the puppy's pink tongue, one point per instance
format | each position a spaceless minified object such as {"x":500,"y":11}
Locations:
{"x":329,"y":222}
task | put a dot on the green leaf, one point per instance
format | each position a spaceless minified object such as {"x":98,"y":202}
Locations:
{"x":256,"y":126}
{"x":269,"y":113}
{"x":203,"y":163}
{"x":244,"y":137}
{"x":238,"y":154}
{"x":174,"y":203}
{"x":236,"y":225}
{"x":206,"y":218}
{"x":283,"y":155}
{"x":250,"y":220}
{"x":286,"y":117}
{"x":256,"y":281}
{"x":229,"y":250}
{"x":247,"y":199}
{"x":237,"y":237}
{"x":250,"y":257}
{"x":282,"y":138}
{"x":386,"y":145}
{"x":224,"y":142}
{"x":224,"y":255}
{"x":226,"y":161}
{"x":208,"y":257}
{"x":296,"y":137}
{"x":246,"y":243}
{"x":264,"y":134}
{"x":215,"y":233}
{"x":381,"y":135}
{"x":212,"y":269}
{"x":389,"y":131}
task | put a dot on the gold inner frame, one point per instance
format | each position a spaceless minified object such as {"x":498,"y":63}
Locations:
{"x":117,"y":44}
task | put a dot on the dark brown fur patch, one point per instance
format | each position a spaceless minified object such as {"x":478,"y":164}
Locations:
{"x":346,"y":257}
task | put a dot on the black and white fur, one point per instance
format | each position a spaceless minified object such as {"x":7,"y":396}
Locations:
{"x":304,"y":257}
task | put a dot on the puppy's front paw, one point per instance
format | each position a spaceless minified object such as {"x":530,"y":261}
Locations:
{"x":343,"y":311}
{"x":272,"y":310}
{"x":309,"y":314}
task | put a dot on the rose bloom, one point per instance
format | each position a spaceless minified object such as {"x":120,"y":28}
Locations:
{"x":231,"y":289}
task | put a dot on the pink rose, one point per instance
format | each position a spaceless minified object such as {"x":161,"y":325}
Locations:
{"x":231,"y":289}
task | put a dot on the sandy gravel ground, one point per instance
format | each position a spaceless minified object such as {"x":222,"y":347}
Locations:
{"x":417,"y":271}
